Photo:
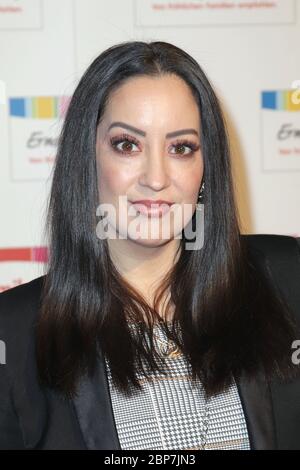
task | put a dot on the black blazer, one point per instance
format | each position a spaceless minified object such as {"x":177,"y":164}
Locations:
{"x":36,"y":418}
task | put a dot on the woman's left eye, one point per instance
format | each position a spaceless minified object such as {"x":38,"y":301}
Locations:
{"x":185,"y":148}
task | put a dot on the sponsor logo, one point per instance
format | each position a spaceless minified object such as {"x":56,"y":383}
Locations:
{"x":280,"y":130}
{"x":34,"y":125}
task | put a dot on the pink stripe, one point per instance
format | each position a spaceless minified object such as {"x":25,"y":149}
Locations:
{"x":63,"y":104}
{"x":40,"y":254}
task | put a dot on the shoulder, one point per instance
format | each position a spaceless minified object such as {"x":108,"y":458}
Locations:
{"x":275,"y":247}
{"x":279,"y":257}
{"x":20,"y":302}
{"x":280,"y":252}
{"x":18,"y":311}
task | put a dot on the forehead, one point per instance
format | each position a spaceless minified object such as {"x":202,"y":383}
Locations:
{"x":166,"y":97}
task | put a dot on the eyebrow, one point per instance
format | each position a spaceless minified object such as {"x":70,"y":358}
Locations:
{"x":143,"y":133}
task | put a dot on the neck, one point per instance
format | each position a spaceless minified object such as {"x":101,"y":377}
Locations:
{"x":143,"y":267}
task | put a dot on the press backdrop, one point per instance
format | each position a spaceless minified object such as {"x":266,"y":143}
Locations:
{"x":250,"y":51}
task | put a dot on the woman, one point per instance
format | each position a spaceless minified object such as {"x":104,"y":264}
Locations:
{"x":141,"y":342}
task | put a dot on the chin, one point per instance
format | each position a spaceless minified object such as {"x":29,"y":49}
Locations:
{"x":150,"y":243}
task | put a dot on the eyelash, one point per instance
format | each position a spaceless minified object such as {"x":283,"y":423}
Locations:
{"x":125,"y":137}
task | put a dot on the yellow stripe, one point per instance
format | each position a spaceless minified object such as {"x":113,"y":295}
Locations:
{"x":45,"y":107}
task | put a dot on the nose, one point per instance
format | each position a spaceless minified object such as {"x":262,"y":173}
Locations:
{"x":155,"y":171}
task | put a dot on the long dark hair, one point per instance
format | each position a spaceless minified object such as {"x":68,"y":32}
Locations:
{"x":226,"y":320}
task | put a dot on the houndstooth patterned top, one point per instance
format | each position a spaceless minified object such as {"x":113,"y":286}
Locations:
{"x":172,"y":413}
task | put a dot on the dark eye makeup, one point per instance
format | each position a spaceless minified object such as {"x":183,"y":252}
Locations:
{"x":130,"y":140}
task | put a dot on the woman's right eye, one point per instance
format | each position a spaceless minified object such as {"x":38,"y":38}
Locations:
{"x":123,"y":145}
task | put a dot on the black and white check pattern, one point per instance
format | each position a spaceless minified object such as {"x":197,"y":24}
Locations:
{"x":167,"y":413}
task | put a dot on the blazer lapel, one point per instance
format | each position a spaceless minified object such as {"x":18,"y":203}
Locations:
{"x":94,"y":410}
{"x":257,"y":404}
{"x":95,"y":415}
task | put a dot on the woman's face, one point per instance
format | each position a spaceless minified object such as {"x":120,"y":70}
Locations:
{"x":139,"y":157}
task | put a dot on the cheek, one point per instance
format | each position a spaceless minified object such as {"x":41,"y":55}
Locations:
{"x":189,"y":184}
{"x":111,"y":180}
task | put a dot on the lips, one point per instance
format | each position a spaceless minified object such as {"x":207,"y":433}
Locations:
{"x":152,"y":208}
{"x":150,"y":203}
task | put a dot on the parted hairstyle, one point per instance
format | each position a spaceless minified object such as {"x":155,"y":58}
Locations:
{"x":227,"y":320}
